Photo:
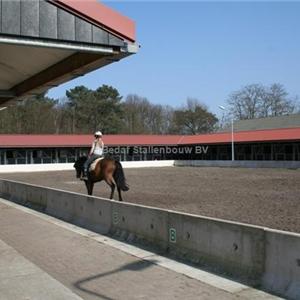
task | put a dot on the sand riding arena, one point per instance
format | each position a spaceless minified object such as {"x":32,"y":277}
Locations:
{"x":266,"y":197}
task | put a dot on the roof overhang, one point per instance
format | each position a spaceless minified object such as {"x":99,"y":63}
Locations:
{"x":46,"y":45}
{"x":31,"y":67}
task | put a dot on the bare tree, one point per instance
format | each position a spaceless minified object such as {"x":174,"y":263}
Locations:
{"x":279,"y":103}
{"x":134,"y":112}
{"x":247,"y":102}
{"x":167,"y":117}
{"x":142,"y":116}
{"x":256,"y":101}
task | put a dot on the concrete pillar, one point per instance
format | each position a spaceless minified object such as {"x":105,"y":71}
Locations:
{"x":76,"y":153}
{"x":56,"y":155}
{"x":124,"y":151}
{"x":272,"y":151}
{"x":5,"y":157}
{"x":294,"y":152}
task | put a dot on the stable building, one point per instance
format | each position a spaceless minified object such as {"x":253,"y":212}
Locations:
{"x":44,"y":43}
{"x":264,"y":145}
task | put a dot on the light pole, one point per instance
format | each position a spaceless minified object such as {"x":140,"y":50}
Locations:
{"x":232,"y":135}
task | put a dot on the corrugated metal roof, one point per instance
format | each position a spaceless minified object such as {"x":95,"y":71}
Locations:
{"x":44,"y":141}
{"x":287,"y":121}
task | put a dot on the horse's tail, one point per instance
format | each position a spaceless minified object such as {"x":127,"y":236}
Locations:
{"x":119,"y":177}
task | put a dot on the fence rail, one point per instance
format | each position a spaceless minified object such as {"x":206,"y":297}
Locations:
{"x":238,"y":163}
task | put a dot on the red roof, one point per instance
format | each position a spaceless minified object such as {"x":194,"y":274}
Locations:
{"x":102,"y":15}
{"x":36,"y":141}
{"x":84,"y":140}
{"x":285,"y":134}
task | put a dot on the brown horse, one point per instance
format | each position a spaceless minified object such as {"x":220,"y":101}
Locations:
{"x":107,"y":169}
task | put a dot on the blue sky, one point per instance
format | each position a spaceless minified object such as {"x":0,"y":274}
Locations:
{"x":204,"y":50}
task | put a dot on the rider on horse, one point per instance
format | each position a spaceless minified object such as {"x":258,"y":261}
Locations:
{"x":95,"y":152}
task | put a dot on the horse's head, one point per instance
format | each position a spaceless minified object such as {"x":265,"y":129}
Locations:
{"x":78,"y":165}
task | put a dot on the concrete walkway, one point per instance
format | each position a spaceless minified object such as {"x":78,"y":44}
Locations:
{"x":44,"y":258}
{"x":21,"y":279}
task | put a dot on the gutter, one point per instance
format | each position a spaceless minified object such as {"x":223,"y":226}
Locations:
{"x":78,"y":47}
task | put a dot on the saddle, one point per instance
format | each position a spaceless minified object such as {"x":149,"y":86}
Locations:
{"x":94,"y":163}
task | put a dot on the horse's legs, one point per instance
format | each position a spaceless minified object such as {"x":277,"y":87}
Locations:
{"x":90,"y":186}
{"x":111,"y":182}
{"x":112,"y":186}
{"x":119,"y":193}
{"x":86,"y":185}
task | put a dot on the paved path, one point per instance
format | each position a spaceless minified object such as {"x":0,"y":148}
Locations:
{"x":21,"y":279}
{"x":65,"y":260}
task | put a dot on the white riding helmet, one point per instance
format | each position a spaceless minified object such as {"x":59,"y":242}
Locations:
{"x":98,"y":133}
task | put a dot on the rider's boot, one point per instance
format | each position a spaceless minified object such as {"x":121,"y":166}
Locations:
{"x":84,"y":175}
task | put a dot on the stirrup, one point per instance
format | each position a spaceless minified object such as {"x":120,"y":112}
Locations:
{"x":84,"y":176}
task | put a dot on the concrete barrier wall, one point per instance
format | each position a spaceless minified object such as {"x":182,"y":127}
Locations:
{"x":238,"y":248}
{"x":69,"y":166}
{"x":238,"y":163}
{"x":282,"y":263}
{"x":261,"y":256}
